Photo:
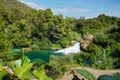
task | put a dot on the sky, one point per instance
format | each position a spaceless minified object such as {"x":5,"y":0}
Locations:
{"x":77,"y":8}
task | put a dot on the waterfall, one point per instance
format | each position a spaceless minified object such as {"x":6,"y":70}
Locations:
{"x":73,"y":49}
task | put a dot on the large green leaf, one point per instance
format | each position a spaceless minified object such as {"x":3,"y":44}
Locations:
{"x":40,"y":74}
{"x":1,"y":67}
{"x":21,"y":62}
{"x":25,"y":60}
{"x":23,"y":72}
{"x":86,"y":74}
{"x":2,"y":72}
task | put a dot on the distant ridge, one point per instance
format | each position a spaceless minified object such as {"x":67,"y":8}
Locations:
{"x":9,"y":4}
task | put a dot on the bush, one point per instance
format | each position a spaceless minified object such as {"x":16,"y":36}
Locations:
{"x":101,"y":40}
{"x":63,"y":42}
{"x":93,"y":48}
{"x":59,"y":64}
{"x":102,"y":60}
{"x":84,"y":59}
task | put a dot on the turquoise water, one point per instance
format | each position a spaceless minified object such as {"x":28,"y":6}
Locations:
{"x":39,"y":55}
{"x":36,"y":56}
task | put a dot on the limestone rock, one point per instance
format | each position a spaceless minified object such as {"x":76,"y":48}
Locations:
{"x":85,"y":42}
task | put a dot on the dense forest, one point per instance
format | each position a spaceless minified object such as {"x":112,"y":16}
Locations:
{"x":22,"y":26}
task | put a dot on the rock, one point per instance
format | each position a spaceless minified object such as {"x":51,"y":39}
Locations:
{"x":85,"y":42}
{"x":88,"y":37}
{"x":26,"y":49}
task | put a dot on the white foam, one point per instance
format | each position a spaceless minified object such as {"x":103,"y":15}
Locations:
{"x":74,"y":49}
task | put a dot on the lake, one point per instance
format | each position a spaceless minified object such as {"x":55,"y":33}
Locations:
{"x":44,"y":55}
{"x":39,"y":55}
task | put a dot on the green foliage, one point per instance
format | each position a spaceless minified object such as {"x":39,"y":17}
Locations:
{"x":45,"y":45}
{"x":95,"y":24}
{"x":99,"y":59}
{"x":102,"y":60}
{"x":21,"y":26}
{"x":73,"y":36}
{"x":5,"y":44}
{"x":59,"y":64}
{"x":63,"y":42}
{"x":93,"y":48}
{"x":114,"y":33}
{"x":101,"y":40}
{"x":23,"y":72}
{"x":40,"y":74}
{"x":2,"y":72}
{"x":84,"y":59}
{"x":86,"y":74}
{"x":80,"y":26}
{"x":25,"y":60}
{"x":13,"y":4}
{"x":114,"y":51}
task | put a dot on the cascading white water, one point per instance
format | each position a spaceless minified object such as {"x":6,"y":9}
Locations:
{"x":74,"y":49}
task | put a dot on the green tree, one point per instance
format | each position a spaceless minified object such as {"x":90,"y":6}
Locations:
{"x":5,"y":44}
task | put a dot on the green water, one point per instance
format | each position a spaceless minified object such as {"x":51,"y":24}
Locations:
{"x":39,"y":55}
{"x":42,"y":55}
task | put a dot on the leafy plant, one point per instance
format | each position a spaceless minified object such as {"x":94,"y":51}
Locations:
{"x":2,"y":72}
{"x":86,"y":74}
{"x":40,"y":74}
{"x":23,"y":72}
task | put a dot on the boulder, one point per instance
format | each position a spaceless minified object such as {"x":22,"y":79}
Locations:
{"x":85,"y":42}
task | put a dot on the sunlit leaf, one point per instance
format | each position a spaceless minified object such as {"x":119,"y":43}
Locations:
{"x":23,"y":72}
{"x":1,"y":67}
{"x":41,"y":75}
{"x":2,"y":73}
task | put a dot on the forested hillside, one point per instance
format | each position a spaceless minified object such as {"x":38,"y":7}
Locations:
{"x":22,"y":26}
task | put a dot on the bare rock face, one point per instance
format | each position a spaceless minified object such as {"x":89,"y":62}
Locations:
{"x":88,"y":37}
{"x":85,"y":42}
